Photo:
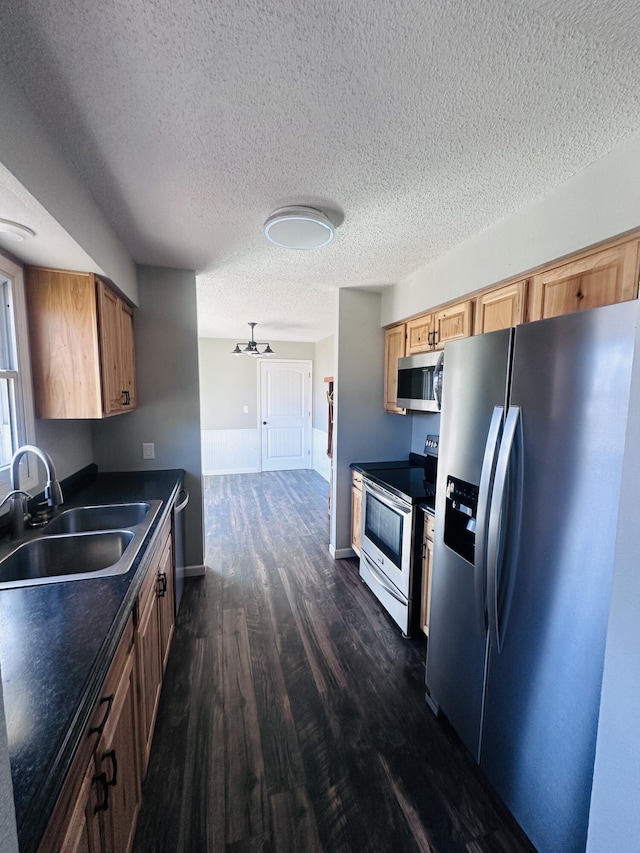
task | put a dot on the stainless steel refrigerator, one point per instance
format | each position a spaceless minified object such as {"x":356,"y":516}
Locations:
{"x":531,"y":445}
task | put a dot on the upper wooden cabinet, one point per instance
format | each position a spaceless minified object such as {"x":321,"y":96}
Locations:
{"x":82,"y":354}
{"x":501,"y":307}
{"x":599,"y":278}
{"x":420,"y":334}
{"x":452,"y":322}
{"x":394,"y":348}
{"x":432,"y":331}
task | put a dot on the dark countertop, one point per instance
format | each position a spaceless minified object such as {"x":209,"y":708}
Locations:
{"x":56,"y":644}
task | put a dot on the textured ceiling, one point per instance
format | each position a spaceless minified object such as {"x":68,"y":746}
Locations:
{"x":417,"y":123}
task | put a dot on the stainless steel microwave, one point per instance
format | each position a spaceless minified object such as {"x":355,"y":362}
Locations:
{"x":420,"y":381}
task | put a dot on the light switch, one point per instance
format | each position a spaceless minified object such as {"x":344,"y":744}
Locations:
{"x":246,"y":409}
{"x":148,"y":450}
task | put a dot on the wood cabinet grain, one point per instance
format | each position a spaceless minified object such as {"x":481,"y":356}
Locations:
{"x":427,"y":571}
{"x":82,"y":350}
{"x":501,"y":307}
{"x":394,"y":348}
{"x":599,"y":278}
{"x":356,"y":510}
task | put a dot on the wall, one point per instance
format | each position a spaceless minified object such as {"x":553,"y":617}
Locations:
{"x":231,"y":436}
{"x":228,"y":383}
{"x":598,"y":203}
{"x":615,"y":816}
{"x":32,"y":156}
{"x":69,"y":443}
{"x":168,"y":412}
{"x":364,"y":432}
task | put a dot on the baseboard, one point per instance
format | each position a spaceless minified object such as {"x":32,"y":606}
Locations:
{"x":231,"y":471}
{"x":194,"y":571}
{"x":341,"y":553}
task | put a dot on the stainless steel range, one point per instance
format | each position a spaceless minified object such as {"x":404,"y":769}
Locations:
{"x":391,"y":493}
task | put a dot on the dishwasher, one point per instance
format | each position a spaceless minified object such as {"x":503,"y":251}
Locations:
{"x":179,"y":544}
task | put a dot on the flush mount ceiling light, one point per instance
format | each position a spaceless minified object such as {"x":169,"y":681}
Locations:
{"x":299,"y":228}
{"x":251,"y":347}
{"x":15,"y":231}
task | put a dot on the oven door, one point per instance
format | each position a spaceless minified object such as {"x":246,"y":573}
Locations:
{"x":387,"y":523}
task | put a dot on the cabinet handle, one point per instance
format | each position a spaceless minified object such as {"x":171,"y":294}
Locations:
{"x":100,"y":727}
{"x":162,"y":577}
{"x":429,"y":338}
{"x":435,"y":337}
{"x":104,"y":805}
{"x":114,"y":767}
{"x":127,"y":398}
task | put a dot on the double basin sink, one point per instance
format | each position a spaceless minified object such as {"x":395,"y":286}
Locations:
{"x":80,"y":543}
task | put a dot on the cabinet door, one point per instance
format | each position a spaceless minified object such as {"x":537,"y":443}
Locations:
{"x":65,"y":358}
{"x":420,"y":334}
{"x":600,"y":278}
{"x":117,"y":762}
{"x":500,"y":308}
{"x":166,"y":601}
{"x":394,"y":348}
{"x":149,"y":672}
{"x":452,"y":323}
{"x":83,"y":830}
{"x":427,"y":573}
{"x":110,"y":350}
{"x":128,"y":363}
{"x":356,"y":512}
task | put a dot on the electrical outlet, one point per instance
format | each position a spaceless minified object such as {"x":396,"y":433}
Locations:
{"x":148,"y":450}
{"x":246,"y":409}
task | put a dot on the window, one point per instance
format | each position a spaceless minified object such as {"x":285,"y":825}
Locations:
{"x":16,"y":400}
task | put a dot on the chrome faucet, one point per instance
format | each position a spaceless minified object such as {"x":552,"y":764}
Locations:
{"x":52,"y":492}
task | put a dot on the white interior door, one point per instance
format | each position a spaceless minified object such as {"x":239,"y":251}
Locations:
{"x":285,"y":409}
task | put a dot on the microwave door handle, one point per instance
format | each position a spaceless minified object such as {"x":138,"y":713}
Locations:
{"x":386,"y":498}
{"x":438,"y":374}
{"x":501,"y":562}
{"x":487,"y":478}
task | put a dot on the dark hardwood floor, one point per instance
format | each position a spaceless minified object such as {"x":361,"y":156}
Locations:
{"x":292,"y":718}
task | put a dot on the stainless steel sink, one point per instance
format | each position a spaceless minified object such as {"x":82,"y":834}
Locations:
{"x":87,"y":554}
{"x":82,"y":542}
{"x":82,"y":519}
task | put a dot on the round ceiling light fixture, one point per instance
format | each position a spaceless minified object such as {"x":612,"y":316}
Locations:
{"x":15,"y":231}
{"x":299,"y":228}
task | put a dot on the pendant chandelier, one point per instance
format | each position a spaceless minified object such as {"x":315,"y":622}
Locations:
{"x":252,"y":346}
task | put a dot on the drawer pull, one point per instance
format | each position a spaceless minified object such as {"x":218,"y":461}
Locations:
{"x":114,"y":767}
{"x":162,"y":577}
{"x":104,"y":805}
{"x":100,"y":728}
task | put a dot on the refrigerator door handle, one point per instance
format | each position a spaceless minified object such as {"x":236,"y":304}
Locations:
{"x":487,"y":477}
{"x":502,"y":550}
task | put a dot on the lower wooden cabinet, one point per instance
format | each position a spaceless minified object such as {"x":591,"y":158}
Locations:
{"x":98,"y":806}
{"x":153,"y":637}
{"x":427,"y":571}
{"x":356,"y":510}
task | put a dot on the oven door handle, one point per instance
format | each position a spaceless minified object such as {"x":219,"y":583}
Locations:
{"x":386,"y":498}
{"x":382,"y":580}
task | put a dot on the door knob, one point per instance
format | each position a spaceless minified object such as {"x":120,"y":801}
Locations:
{"x":264,"y":423}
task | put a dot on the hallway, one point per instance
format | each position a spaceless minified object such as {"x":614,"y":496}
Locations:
{"x":292,"y":716}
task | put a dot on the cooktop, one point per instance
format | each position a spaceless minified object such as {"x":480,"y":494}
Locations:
{"x":413,"y":479}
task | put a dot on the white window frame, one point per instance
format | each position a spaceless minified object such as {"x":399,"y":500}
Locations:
{"x":24,"y":431}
